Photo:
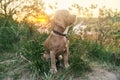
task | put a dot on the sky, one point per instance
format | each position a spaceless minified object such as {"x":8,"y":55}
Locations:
{"x":64,"y":4}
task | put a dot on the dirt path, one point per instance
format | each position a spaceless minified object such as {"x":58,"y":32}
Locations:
{"x":100,"y":74}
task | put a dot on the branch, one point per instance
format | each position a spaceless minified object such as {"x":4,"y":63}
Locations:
{"x":25,"y":58}
{"x":13,"y":10}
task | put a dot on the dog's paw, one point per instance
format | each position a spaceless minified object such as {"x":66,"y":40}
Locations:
{"x":67,"y":66}
{"x":53,"y":70}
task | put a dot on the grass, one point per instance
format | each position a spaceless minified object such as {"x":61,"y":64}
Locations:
{"x":21,"y":48}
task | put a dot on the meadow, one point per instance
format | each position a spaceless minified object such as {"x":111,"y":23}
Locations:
{"x":21,"y":48}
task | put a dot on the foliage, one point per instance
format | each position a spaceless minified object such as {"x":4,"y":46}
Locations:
{"x":33,"y":51}
{"x":21,"y":47}
{"x":79,"y":56}
{"x":8,"y":34}
{"x":59,"y":76}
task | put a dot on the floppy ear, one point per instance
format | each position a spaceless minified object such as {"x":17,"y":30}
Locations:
{"x":60,"y":18}
{"x":59,"y":21}
{"x":71,"y":19}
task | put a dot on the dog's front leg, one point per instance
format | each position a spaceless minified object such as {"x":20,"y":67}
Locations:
{"x":53,"y":62}
{"x":66,"y":55}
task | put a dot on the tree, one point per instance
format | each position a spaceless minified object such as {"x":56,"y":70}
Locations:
{"x":8,"y":7}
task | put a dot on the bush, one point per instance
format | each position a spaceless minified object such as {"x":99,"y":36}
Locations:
{"x":99,"y":52}
{"x":79,"y":57}
{"x":8,"y":35}
{"x":33,"y":50}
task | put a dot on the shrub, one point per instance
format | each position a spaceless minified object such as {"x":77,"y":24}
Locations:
{"x":79,"y":57}
{"x":33,"y":50}
{"x":8,"y":35}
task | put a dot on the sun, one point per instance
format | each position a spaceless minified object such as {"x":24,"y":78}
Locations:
{"x":42,"y":19}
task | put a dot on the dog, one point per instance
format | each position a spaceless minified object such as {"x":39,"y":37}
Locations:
{"x":57,"y":44}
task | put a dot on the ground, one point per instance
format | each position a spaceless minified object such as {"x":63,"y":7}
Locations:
{"x":101,"y":73}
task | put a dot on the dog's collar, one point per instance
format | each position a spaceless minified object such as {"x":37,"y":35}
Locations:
{"x":56,"y":32}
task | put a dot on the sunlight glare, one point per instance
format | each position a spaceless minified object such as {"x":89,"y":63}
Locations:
{"x":40,"y":19}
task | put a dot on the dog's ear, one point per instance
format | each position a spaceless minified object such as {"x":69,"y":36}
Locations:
{"x":59,"y":21}
{"x":71,"y":19}
{"x":60,"y":18}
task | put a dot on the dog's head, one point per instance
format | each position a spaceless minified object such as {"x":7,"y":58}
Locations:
{"x":63,"y":18}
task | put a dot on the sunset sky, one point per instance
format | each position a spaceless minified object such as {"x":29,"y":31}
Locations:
{"x":64,"y":4}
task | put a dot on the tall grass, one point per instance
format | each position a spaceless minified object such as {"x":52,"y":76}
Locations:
{"x":23,"y":46}
{"x":33,"y":51}
{"x":9,"y":31}
{"x":79,"y":56}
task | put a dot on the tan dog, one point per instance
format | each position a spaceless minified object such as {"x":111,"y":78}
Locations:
{"x":57,"y":44}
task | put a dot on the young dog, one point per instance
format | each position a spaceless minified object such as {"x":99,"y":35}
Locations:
{"x":57,"y":44}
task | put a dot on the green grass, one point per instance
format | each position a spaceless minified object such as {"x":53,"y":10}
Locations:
{"x":21,"y":48}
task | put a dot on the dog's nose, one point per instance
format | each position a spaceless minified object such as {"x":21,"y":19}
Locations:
{"x":76,"y":20}
{"x":60,"y":57}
